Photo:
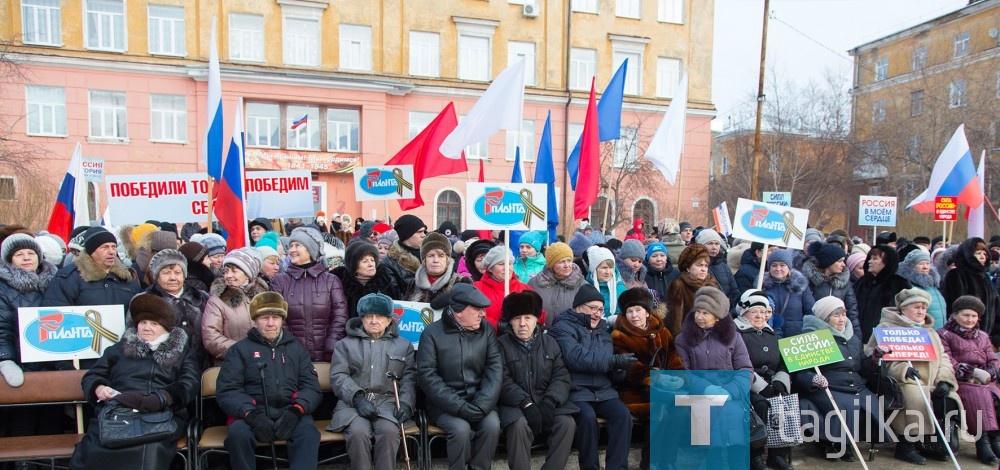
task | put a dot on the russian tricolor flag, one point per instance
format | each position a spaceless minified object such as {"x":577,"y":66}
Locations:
{"x":229,"y":204}
{"x":300,"y":122}
{"x":213,"y":126}
{"x":954,"y":175}
{"x":71,"y":208}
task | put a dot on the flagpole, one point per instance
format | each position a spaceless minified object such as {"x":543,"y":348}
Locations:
{"x":210,"y":203}
{"x":680,"y":172}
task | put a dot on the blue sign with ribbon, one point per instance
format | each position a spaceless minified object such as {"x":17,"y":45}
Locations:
{"x":771,"y":224}
{"x":60,"y":333}
{"x":412,"y":318}
{"x":511,"y":206}
{"x":384,"y":182}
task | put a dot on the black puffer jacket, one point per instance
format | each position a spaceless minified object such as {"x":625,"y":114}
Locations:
{"x":289,"y":376}
{"x":317,"y":308}
{"x":875,"y":292}
{"x":455,"y":366}
{"x":727,"y":282}
{"x":355,"y":290}
{"x":531,"y":375}
{"x":768,"y":367}
{"x":587,"y":353}
{"x":85,"y":283}
{"x":188,"y":307}
{"x":659,"y":281}
{"x":837,"y":285}
{"x":746,"y":276}
{"x":970,"y":278}
{"x":19,"y":288}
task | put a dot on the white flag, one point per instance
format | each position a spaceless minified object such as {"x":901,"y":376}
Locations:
{"x":664,"y":151}
{"x":977,"y":216}
{"x":500,"y":107}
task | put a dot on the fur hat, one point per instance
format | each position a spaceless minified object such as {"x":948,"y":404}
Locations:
{"x":17,"y":242}
{"x":913,"y":295}
{"x":751,"y":298}
{"x":655,"y":247}
{"x":496,"y":256}
{"x":165,"y":258}
{"x":310,"y":238}
{"x":916,"y":256}
{"x":162,"y":240}
{"x":214,"y":244}
{"x":970,"y":302}
{"x":153,"y":308}
{"x":388,"y":238}
{"x":826,"y":253}
{"x":557,"y":252}
{"x":536,"y":239}
{"x":194,"y":252}
{"x":587,"y":293}
{"x":636,"y":296}
{"x":94,"y":237}
{"x":375,"y":304}
{"x":825,"y":307}
{"x":521,"y":303}
{"x":779,"y":256}
{"x":691,"y":255}
{"x":632,"y":248}
{"x":244,"y":261}
{"x":268,"y":303}
{"x":885,"y":238}
{"x":356,"y":252}
{"x":408,"y":224}
{"x":711,"y":300}
{"x":434,"y":241}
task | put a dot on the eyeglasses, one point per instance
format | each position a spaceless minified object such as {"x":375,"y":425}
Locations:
{"x":594,"y":309}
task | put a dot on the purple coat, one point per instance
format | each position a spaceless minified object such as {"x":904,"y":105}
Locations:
{"x":720,"y":347}
{"x":317,"y":308}
{"x":967,"y":350}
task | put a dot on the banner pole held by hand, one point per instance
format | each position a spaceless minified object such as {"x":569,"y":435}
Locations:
{"x":937,"y":425}
{"x":843,"y":423}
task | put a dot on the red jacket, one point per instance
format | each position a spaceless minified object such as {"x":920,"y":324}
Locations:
{"x":493,"y":290}
{"x":638,"y":231}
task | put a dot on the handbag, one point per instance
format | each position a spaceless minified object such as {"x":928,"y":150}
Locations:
{"x":758,"y":430}
{"x":783,"y":421}
{"x":120,"y":426}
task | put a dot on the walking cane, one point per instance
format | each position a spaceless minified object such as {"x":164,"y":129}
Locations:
{"x":393,"y":376}
{"x":263,"y":383}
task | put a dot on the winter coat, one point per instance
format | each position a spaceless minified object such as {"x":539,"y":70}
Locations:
{"x":557,"y":294}
{"x":317,"y":308}
{"x":680,"y":299}
{"x":527,"y":268}
{"x":360,"y":364}
{"x":874,"y":292}
{"x":86,"y":283}
{"x":793,"y":300}
{"x":632,"y":278}
{"x":717,"y":348}
{"x":718,"y":268}
{"x":605,"y":291}
{"x":928,"y":283}
{"x":656,"y":340}
{"x":226,"y":319}
{"x":837,"y":285}
{"x":131,"y":366}
{"x":19,"y":288}
{"x":846,"y":383}
{"x":456,"y":366}
{"x":354,"y":290}
{"x":494,"y":290}
{"x":637,"y":232}
{"x":931,"y":372}
{"x":762,"y":349}
{"x":188,"y":307}
{"x":426,"y":291}
{"x":660,"y":280}
{"x":970,"y":278}
{"x":968,"y":350}
{"x":746,"y":276}
{"x":402,"y":262}
{"x":289,"y":376}
{"x":532,"y":374}
{"x":587,"y":353}
{"x":199,"y":277}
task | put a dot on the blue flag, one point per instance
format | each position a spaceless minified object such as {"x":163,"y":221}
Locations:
{"x":515,"y":176}
{"x":546,"y":173}
{"x":609,"y":119}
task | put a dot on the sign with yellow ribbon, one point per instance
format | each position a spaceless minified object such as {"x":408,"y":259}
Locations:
{"x":412,"y":318}
{"x":66,"y":333}
{"x":769,"y":223}
{"x":513,"y":206}
{"x":377,"y":183}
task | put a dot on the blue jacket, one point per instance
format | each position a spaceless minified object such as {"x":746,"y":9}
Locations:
{"x":793,"y":300}
{"x":746,"y":276}
{"x":587,"y":354}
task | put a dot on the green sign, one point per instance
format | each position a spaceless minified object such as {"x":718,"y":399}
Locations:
{"x":815,"y":348}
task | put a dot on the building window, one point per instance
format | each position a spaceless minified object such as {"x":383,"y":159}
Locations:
{"x":419,"y":120}
{"x":962,"y":45}
{"x":527,"y":142}
{"x":881,"y":69}
{"x":573,"y":133}
{"x":582,"y":67}
{"x":246,"y":37}
{"x":628,"y":8}
{"x":919,"y":59}
{"x":670,"y":11}
{"x":301,"y":42}
{"x":724,"y":170}
{"x":477,"y":151}
{"x":598,"y":217}
{"x":41,"y":22}
{"x":449,"y":208}
{"x":166,"y":30}
{"x":913,"y":148}
{"x":105,"y":25}
{"x":878,"y":111}
{"x":584,"y":6}
{"x":626,"y":149}
{"x":633,"y":76}
{"x":168,"y":118}
{"x":998,"y":84}
{"x":262,"y":125}
{"x":473,"y":58}
{"x":46,"y":106}
{"x":425,"y":54}
{"x":343,"y":130}
{"x":956,"y":93}
{"x":516,"y":50}
{"x":356,"y":47}
{"x":107,"y":115}
{"x":668,"y":76}
{"x":916,"y":103}
{"x":8,"y":188}
{"x":644,"y":209}
{"x":303,"y":134}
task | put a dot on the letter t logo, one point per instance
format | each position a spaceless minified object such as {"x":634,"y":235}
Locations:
{"x":701,"y":415}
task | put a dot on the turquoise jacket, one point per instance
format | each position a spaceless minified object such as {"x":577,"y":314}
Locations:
{"x":527,"y":268}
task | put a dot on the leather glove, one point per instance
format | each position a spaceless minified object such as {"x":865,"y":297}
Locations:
{"x":404,"y":413}
{"x":366,"y":409}
{"x":819,"y":381}
{"x":779,"y":387}
{"x":152,"y":402}
{"x":548,"y":409}
{"x":12,"y":373}
{"x":130,"y":399}
{"x":622,"y":361}
{"x":941,"y":390}
{"x":880,"y":351}
{"x":262,"y":426}
{"x":912,"y":374}
{"x":534,"y":417}
{"x":285,"y":424}
{"x":471,"y":413}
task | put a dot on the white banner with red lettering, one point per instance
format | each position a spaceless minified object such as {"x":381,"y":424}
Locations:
{"x":183,"y":197}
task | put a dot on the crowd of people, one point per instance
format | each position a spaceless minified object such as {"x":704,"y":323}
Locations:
{"x":537,"y":340}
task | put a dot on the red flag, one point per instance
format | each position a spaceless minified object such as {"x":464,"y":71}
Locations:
{"x":589,"y":178}
{"x":422,"y":152}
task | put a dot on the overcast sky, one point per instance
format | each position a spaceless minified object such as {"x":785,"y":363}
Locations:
{"x":804,"y":39}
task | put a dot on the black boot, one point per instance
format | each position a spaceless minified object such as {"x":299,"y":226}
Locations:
{"x":907,"y":452}
{"x":780,"y":458}
{"x":757,"y":462}
{"x":983,"y":451}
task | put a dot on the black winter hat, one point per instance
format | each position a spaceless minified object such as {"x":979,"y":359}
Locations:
{"x":448,"y":229}
{"x":356,"y":252}
{"x":521,"y":303}
{"x":636,"y":296}
{"x":153,"y":308}
{"x":261,"y":222}
{"x":885,"y":238}
{"x":826,"y":254}
{"x":587,"y":293}
{"x":406,"y":225}
{"x":94,"y":237}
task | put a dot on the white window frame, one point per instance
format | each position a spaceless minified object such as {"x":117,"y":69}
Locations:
{"x":573,"y":132}
{"x":878,"y":111}
{"x":305,"y":137}
{"x":527,"y":142}
{"x":474,"y":63}
{"x":626,"y":148}
{"x":425,"y":54}
{"x":301,"y":41}
{"x":41,"y":22}
{"x":962,"y":45}
{"x":584,"y":6}
{"x":337,"y":127}
{"x":634,"y":49}
{"x":518,"y":49}
{"x":417,"y":121}
{"x":246,"y":37}
{"x":670,"y":11}
{"x":478,"y":150}
{"x":919,"y":58}
{"x":668,"y":76}
{"x":583,"y":67}
{"x":166,"y":32}
{"x":628,"y":9}
{"x":957,"y":90}
{"x":356,"y":47}
{"x":881,"y":69}
{"x":98,"y":114}
{"x":45,"y":115}
{"x":99,"y":22}
{"x":437,"y":198}
{"x":270,"y":122}
{"x":167,"y":122}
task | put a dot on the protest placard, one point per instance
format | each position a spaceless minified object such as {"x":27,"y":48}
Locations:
{"x":66,"y":333}
{"x":907,"y":344}
{"x":413,"y":317}
{"x":812,"y":349}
